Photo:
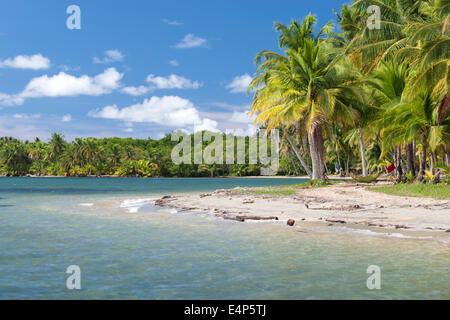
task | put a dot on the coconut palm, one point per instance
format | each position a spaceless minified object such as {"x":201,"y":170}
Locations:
{"x":90,"y":151}
{"x":305,"y":84}
{"x":15,"y":158}
{"x":419,"y":118}
{"x":36,"y":152}
{"x":57,"y":145}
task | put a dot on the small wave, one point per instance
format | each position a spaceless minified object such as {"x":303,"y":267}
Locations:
{"x":133,"y":205}
{"x":86,"y":204}
{"x":380,"y":234}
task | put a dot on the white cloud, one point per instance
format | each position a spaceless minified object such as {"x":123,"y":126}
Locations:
{"x":190,"y":41}
{"x":174,"y":63}
{"x":172,"y":23}
{"x":26,"y":116}
{"x":240,"y":83}
{"x":65,"y":85}
{"x":241,"y":132}
{"x":207,"y":125}
{"x":242,"y":117}
{"x":171,"y":111}
{"x":172,"y":81}
{"x":136,"y":91}
{"x":34,"y":62}
{"x":66,"y":118}
{"x":67,"y":68}
{"x":110,"y":56}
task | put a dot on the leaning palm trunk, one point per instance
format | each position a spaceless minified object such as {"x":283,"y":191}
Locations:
{"x":299,"y":156}
{"x":316,"y":150}
{"x":363,"y":154}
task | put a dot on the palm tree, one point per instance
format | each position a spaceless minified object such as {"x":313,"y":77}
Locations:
{"x":36,"y":152}
{"x":15,"y":158}
{"x":419,"y":117}
{"x":305,"y":84}
{"x":115,"y":153}
{"x":90,"y":152}
{"x":57,"y":145}
{"x":79,"y":151}
{"x":351,"y":23}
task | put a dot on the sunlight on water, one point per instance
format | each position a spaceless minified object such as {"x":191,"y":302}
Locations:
{"x":149,"y":253}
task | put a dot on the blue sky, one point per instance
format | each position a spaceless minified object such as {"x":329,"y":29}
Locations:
{"x":135,"y":68}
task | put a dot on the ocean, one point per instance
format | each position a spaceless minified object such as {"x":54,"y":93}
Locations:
{"x":126,"y":248}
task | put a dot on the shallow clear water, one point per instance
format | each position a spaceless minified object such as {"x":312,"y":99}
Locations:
{"x":148,"y":253}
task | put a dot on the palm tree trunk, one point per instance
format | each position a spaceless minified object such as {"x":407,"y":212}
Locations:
{"x":446,"y":154}
{"x":316,"y":150}
{"x":423,"y":160}
{"x":397,"y":158}
{"x":299,"y":156}
{"x":410,"y":158}
{"x":363,"y":154}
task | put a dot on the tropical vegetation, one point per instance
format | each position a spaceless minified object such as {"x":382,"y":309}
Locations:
{"x":365,"y":97}
{"x":123,"y":157}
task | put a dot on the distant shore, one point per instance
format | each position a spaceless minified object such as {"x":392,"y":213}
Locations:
{"x":228,"y":177}
{"x":346,"y":203}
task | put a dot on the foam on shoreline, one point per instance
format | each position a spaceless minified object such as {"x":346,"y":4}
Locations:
{"x":133,"y":205}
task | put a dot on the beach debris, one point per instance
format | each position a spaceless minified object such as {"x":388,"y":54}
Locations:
{"x":291,"y":222}
{"x":235,"y":218}
{"x":401,"y":227}
{"x":247,"y":201}
{"x":337,"y":208}
{"x":159,"y":202}
{"x":167,"y":196}
{"x":335,"y":221}
{"x":257,"y":218}
{"x":203,"y":195}
{"x":189,"y":208}
{"x":243,"y":218}
{"x":448,"y":230}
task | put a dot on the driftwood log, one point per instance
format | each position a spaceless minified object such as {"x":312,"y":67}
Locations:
{"x":243,"y":218}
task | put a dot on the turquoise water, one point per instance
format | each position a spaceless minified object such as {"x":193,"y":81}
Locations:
{"x":149,"y":253}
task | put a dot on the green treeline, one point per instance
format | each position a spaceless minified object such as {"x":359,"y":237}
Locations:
{"x":124,"y":157}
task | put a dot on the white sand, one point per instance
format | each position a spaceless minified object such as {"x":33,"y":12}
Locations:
{"x":333,"y":204}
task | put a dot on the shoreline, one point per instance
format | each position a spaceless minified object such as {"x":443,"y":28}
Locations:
{"x":215,"y":177}
{"x":342,"y":204}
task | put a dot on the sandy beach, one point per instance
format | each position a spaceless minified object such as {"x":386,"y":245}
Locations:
{"x":344,"y":203}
